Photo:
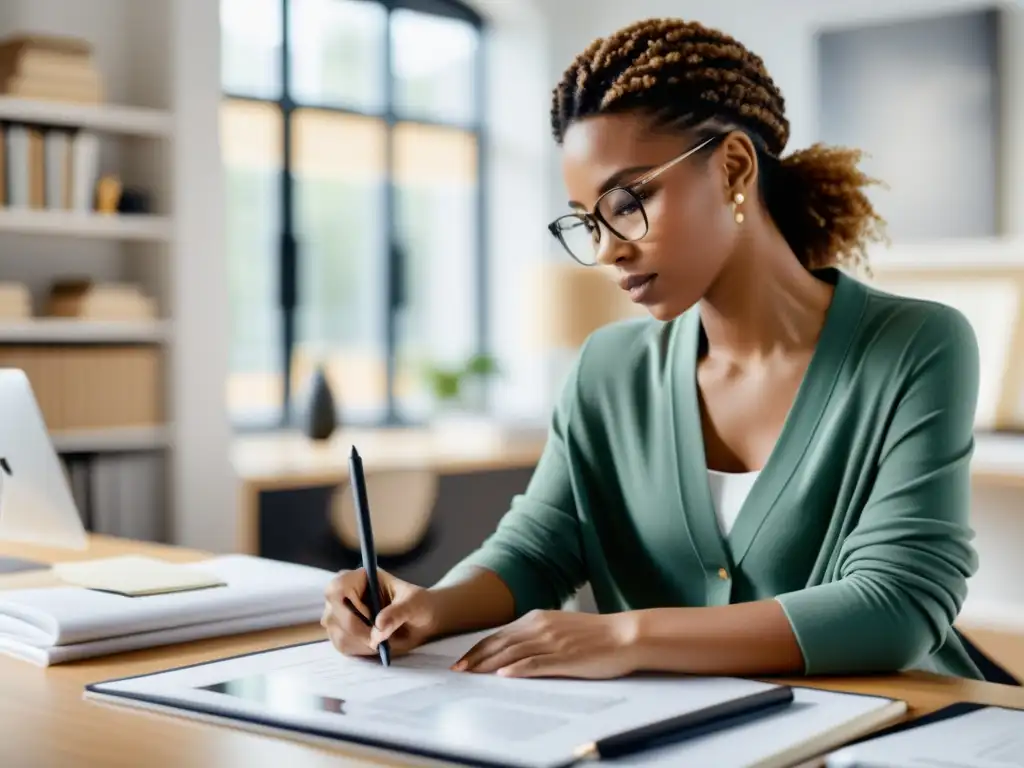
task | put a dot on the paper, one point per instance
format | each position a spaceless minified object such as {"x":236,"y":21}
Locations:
{"x":46,"y":655}
{"x":419,"y":705}
{"x":62,"y":616}
{"x":135,"y":576}
{"x":991,"y":737}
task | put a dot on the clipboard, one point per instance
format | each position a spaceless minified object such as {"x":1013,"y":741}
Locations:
{"x":768,"y":740}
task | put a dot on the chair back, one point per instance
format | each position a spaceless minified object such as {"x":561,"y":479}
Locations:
{"x":401,"y":506}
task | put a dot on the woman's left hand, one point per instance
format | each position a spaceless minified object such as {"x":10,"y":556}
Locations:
{"x":557,"y":644}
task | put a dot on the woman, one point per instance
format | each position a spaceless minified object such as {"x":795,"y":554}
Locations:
{"x":769,"y":477}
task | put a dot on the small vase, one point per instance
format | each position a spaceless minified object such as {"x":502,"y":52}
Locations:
{"x":321,"y":414}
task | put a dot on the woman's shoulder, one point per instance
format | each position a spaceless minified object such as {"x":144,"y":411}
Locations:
{"x":622,"y":348}
{"x":905,"y":333}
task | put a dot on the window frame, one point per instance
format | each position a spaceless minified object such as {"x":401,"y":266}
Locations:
{"x":289,"y":249}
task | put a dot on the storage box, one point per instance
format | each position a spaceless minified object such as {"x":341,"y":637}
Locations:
{"x":93,"y":387}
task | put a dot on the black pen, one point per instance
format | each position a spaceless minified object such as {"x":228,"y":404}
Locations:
{"x":355,"y":468}
{"x":688,"y":725}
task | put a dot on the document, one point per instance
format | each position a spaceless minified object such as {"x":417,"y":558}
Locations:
{"x":419,"y":706}
{"x":989,"y":737}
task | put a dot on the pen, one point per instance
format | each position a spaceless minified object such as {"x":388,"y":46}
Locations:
{"x":355,"y":467}
{"x":687,"y":725}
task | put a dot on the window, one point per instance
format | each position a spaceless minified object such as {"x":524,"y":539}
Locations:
{"x":351,"y":137}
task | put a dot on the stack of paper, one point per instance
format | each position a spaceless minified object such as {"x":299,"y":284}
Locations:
{"x":57,"y":624}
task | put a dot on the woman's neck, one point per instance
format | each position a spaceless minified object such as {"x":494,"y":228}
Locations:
{"x":764,"y":302}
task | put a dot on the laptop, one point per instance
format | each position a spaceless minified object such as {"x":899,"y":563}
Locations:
{"x":36,"y":505}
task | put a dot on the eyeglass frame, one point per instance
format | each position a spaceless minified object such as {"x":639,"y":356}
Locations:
{"x":597,"y":219}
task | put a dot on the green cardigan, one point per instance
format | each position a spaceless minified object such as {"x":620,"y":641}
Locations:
{"x":857,"y":524}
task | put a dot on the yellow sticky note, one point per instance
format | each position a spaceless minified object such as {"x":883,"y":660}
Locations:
{"x":135,"y":576}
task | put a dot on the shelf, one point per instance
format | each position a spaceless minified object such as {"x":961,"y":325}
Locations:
{"x":998,"y":459}
{"x":107,"y":118}
{"x":73,"y":224}
{"x":976,"y":255}
{"x":111,"y":440}
{"x":67,"y":331}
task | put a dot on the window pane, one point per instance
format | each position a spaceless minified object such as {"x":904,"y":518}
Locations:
{"x":436,"y":180}
{"x":433,"y":58}
{"x":339,"y":169}
{"x":251,"y":47}
{"x":251,"y":146}
{"x":337,"y":53}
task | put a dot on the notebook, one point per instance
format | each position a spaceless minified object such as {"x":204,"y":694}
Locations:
{"x":55,"y":624}
{"x":136,"y":576}
{"x":418,"y":706}
{"x":963,"y":734}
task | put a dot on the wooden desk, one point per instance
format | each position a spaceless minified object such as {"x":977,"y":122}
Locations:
{"x":288,"y":461}
{"x":44,"y":721}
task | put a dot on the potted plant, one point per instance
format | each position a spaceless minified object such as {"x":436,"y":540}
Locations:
{"x":458,"y":394}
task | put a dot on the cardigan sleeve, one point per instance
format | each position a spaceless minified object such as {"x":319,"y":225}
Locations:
{"x":903,"y":569}
{"x":536,"y":548}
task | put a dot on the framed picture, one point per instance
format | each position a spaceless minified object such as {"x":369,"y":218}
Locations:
{"x":922,"y":98}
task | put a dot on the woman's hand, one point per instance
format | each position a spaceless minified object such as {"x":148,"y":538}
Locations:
{"x":557,"y":644}
{"x":408,"y":616}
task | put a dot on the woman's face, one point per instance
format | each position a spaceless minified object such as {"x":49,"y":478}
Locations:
{"x":692,"y":228}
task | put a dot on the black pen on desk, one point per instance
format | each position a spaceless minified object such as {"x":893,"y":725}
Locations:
{"x":355,"y":468}
{"x":688,"y":725}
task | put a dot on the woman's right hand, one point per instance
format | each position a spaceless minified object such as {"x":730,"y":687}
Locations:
{"x":408,"y":616}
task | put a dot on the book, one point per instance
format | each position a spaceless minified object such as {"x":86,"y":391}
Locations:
{"x":419,"y":706}
{"x":51,"y":625}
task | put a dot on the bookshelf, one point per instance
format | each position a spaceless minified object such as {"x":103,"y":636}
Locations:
{"x":137,"y":227}
{"x":104,"y":118}
{"x":157,"y":128}
{"x":61,"y":331}
{"x":114,"y":440}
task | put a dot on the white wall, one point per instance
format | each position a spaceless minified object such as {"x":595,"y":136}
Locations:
{"x":782,"y":33}
{"x":520,"y":154}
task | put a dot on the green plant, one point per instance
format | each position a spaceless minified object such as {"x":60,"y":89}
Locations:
{"x":449,"y":384}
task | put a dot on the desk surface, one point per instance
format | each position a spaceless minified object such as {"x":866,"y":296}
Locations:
{"x":288,"y":459}
{"x":45,"y":721}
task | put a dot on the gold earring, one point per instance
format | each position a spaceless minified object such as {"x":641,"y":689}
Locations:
{"x":737,"y":200}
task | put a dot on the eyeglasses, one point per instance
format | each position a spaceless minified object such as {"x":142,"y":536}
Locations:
{"x":620,"y":210}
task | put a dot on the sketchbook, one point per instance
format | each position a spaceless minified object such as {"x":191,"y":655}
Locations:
{"x":419,"y":707}
{"x":51,"y":625}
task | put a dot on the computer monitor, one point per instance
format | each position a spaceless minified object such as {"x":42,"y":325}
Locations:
{"x":36,"y":505}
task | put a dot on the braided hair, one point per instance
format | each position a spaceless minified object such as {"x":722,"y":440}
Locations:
{"x":685,"y":75}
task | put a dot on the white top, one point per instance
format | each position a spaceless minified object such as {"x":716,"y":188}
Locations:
{"x":728,"y":492}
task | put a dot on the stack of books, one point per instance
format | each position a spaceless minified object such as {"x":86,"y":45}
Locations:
{"x":49,"y":67}
{"x":237,"y":594}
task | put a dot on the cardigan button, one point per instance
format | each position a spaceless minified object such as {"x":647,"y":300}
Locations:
{"x":723,"y":574}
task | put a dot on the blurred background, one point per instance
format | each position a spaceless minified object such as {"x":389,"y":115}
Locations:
{"x":239,"y":236}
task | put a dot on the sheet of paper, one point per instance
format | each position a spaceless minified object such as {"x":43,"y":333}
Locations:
{"x":134,"y":575}
{"x":986,"y":738}
{"x":420,"y":705}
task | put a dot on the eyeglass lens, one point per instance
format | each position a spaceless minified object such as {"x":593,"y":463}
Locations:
{"x":619,"y":209}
